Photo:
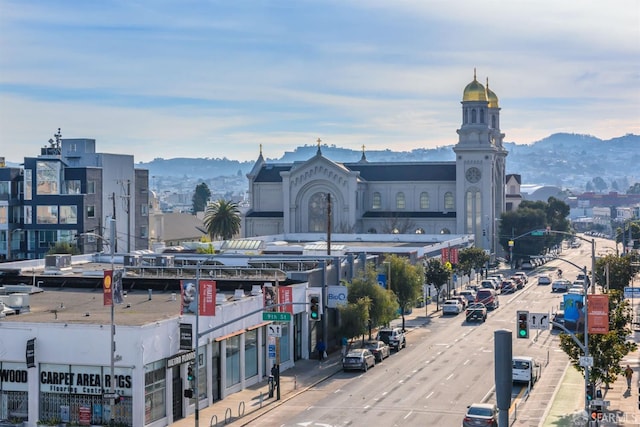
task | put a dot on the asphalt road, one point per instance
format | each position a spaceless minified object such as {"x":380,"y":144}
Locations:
{"x":447,"y":365}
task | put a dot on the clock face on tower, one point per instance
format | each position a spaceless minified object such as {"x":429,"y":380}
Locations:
{"x":473,"y":174}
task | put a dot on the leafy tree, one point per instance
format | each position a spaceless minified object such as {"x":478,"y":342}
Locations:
{"x":383,"y":307}
{"x":599,"y":184}
{"x":354,"y":317}
{"x":201,"y":197}
{"x":436,"y":274}
{"x":222,"y":219}
{"x":634,"y":189}
{"x":471,"y":259}
{"x":622,"y":234}
{"x":64,"y":248}
{"x":406,"y":280}
{"x":620,"y":271}
{"x":607,"y":350}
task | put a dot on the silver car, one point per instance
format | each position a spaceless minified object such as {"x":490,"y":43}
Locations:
{"x":379,"y":349}
{"x":359,"y":359}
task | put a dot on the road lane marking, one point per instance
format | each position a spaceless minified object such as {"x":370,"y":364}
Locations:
{"x":466,"y":362}
{"x":449,"y":377}
{"x":407,"y":416}
{"x":429,"y":395}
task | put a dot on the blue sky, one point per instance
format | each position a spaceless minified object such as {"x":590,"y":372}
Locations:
{"x":160,"y":78}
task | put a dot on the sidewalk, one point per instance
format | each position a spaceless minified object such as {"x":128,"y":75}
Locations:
{"x":243,"y":407}
{"x":568,"y":404}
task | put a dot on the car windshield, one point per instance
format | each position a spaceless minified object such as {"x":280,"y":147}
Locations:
{"x":371,"y":345}
{"x":477,"y":410}
{"x":384,"y":336}
{"x":519,"y":364}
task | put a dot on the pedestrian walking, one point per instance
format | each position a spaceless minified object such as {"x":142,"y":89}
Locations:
{"x":321,"y":350}
{"x":628,"y":373}
{"x":345,"y":341}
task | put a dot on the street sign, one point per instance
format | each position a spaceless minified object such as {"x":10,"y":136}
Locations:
{"x":630,"y":292}
{"x":272,"y":351}
{"x":586,"y":361}
{"x":276,"y":316}
{"x":274,"y":331}
{"x":539,"y":321}
{"x":537,"y":233}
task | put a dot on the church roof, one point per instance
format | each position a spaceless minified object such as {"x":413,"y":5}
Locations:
{"x":382,"y":171}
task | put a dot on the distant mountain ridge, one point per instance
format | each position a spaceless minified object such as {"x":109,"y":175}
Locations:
{"x":562,"y":159}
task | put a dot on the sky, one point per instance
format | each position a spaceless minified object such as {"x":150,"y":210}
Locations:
{"x":216,"y":79}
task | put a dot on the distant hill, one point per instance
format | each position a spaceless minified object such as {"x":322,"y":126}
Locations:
{"x":562,"y":159}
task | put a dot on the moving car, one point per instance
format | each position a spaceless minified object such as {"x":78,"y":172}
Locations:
{"x":476,"y":312}
{"x":469,"y":294}
{"x":358,"y":358}
{"x":379,"y":349}
{"x":576,"y":288}
{"x":508,"y":287}
{"x":393,"y":337}
{"x":523,"y":276}
{"x":544,"y":280}
{"x":452,"y":306}
{"x":560,"y":285}
{"x":489,"y":298}
{"x":481,"y":414}
{"x":525,"y":369}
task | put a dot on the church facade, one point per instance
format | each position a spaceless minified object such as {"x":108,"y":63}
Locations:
{"x":466,"y":196}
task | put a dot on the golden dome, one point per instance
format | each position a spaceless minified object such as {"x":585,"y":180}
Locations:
{"x":491,"y":97}
{"x":474,"y":91}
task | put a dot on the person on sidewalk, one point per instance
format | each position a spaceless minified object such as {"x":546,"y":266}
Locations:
{"x":345,"y":341}
{"x":321,"y":350}
{"x":628,"y":373}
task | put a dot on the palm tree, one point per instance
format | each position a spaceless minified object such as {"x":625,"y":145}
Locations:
{"x":222,"y":219}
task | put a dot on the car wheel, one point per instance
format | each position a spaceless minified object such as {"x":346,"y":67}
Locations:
{"x":365,"y":367}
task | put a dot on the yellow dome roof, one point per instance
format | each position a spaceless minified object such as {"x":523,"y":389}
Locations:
{"x":491,"y":97}
{"x":474,"y":91}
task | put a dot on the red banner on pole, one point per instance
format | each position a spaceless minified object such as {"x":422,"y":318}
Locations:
{"x":285,"y":296}
{"x":598,"y":313}
{"x":107,"y":287}
{"x":207,"y":298}
{"x":444,"y":255}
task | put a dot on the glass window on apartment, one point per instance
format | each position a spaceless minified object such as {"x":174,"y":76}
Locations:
{"x":233,"y":360}
{"x":4,"y":214}
{"x":47,"y":214}
{"x":91,"y":187}
{"x":144,"y":210}
{"x":47,"y":238}
{"x":4,"y":188}
{"x":377,"y":201}
{"x":251,"y":354}
{"x":91,"y":211}
{"x":144,"y":233}
{"x":73,"y":186}
{"x":28,"y":218}
{"x":28,"y":184}
{"x":68,"y":214}
{"x":155,"y":391}
{"x":448,"y":200}
{"x":48,"y":177}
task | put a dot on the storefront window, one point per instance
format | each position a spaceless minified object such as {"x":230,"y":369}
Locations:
{"x":285,"y":349}
{"x":154,"y":391}
{"x":14,"y":397}
{"x":251,"y":354}
{"x":233,"y":360}
{"x":202,"y":373}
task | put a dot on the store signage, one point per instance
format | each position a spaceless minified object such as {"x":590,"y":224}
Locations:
{"x":31,"y":353}
{"x":181,"y":358}
{"x":84,"y":380}
{"x":336,"y":295}
{"x":186,"y":336}
{"x":13,"y":377}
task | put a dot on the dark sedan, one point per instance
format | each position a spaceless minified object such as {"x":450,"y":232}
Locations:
{"x":358,"y":358}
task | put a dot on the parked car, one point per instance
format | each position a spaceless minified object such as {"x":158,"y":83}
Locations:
{"x":393,"y":337}
{"x":489,"y":298}
{"x":358,"y":358}
{"x":522,"y":275}
{"x":560,"y":285}
{"x":476,"y":311}
{"x":488,"y":284}
{"x":544,"y":280}
{"x":379,"y":349}
{"x":518,"y":281}
{"x":463,"y":300}
{"x":451,"y":306}
{"x":481,"y":414}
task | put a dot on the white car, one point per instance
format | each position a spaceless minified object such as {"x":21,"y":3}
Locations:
{"x":452,"y":306}
{"x":576,"y":288}
{"x":560,"y":285}
{"x":544,"y":280}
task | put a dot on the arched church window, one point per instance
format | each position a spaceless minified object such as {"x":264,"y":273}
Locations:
{"x":482,"y":115}
{"x":424,"y":200}
{"x":400,"y":202}
{"x":318,"y":213}
{"x":473,"y":115}
{"x":419,"y":230}
{"x":445,"y":231}
{"x":493,"y":121}
{"x":377,"y":201}
{"x":448,"y":201}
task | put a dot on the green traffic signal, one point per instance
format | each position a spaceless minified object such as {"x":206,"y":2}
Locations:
{"x":314,"y":307}
{"x":523,"y":324}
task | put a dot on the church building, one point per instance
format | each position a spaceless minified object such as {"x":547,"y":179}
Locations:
{"x":465,"y":196}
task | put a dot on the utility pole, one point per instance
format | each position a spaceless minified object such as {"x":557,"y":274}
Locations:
{"x":329,"y":224}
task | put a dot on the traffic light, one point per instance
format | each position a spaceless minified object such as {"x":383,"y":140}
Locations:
{"x":589,"y":392}
{"x":523,"y":324}
{"x":314,"y":307}
{"x":190,"y":373}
